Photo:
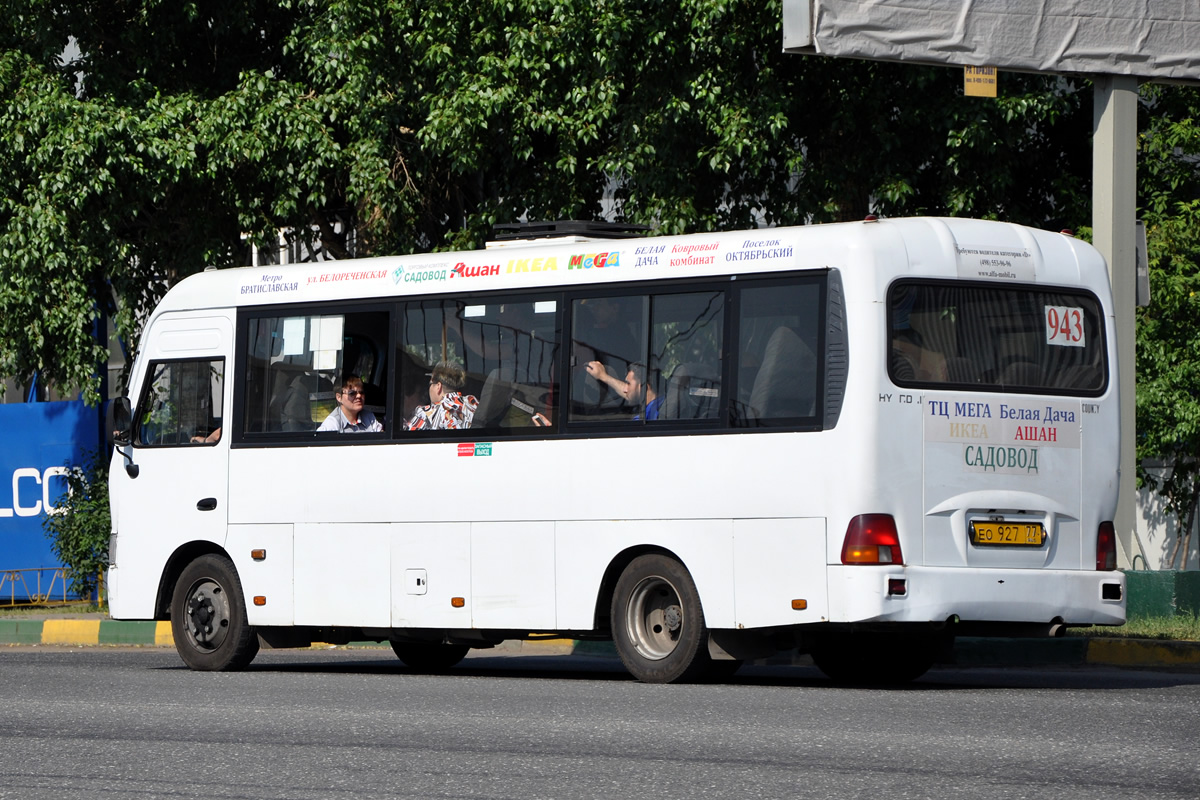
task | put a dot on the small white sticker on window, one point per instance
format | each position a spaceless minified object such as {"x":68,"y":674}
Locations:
{"x":1064,"y":326}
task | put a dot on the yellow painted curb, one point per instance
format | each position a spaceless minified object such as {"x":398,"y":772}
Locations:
{"x":71,"y":631}
{"x":1131,"y":653}
{"x":548,"y":643}
{"x":163,"y":635}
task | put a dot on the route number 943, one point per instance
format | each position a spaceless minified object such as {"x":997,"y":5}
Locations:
{"x":1064,"y":326}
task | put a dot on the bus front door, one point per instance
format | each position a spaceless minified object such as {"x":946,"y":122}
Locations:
{"x":178,"y":489}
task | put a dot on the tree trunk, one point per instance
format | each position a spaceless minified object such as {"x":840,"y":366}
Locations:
{"x":1178,"y":539}
{"x":1187,"y":531}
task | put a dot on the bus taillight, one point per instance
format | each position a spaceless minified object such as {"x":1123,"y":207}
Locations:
{"x":872,"y":539}
{"x":1106,"y":547}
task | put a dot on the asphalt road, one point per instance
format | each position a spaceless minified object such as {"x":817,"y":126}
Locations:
{"x":133,"y":723}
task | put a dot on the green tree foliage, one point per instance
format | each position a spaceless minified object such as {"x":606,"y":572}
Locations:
{"x":80,"y":527}
{"x":1168,"y":332}
{"x":179,"y":126}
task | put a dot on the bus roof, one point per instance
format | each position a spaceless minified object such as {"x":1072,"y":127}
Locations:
{"x":918,"y":246}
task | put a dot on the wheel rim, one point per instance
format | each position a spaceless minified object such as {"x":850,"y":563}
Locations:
{"x":654,"y":618}
{"x":206,"y":615}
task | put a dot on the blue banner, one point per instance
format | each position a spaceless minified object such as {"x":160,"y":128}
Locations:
{"x":39,"y":441}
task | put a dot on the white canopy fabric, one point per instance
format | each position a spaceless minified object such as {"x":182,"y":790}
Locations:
{"x":1150,"y":39}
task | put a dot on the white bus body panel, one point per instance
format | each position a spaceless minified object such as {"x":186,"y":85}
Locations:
{"x":512,"y":575}
{"x":538,"y":561}
{"x":431,"y":565}
{"x":272,"y":576}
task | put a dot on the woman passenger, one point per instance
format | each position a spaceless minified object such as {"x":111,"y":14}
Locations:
{"x":448,"y":408}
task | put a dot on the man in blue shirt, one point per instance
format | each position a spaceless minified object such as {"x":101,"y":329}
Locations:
{"x":636,"y":388}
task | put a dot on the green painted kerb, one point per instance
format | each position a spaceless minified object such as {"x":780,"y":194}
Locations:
{"x":14,"y":631}
{"x":116,"y":632}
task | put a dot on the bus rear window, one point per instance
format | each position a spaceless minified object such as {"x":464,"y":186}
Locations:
{"x":991,"y":338}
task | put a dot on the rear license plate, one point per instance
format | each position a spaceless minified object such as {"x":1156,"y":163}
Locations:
{"x":1012,"y":534}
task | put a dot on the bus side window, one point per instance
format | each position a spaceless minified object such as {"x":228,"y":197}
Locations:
{"x":685,"y":348}
{"x":519,"y":390}
{"x":785,"y":384}
{"x":290,"y":365}
{"x":182,"y":402}
{"x":294,"y":364}
{"x":432,"y":332}
{"x":777,"y":368}
{"x":646,"y":358}
{"x":507,"y":349}
{"x":610,"y":331}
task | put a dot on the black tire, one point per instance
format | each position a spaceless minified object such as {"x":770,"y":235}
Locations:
{"x":657,"y":623}
{"x":208,"y":617}
{"x":430,"y":657}
{"x":875,"y":659}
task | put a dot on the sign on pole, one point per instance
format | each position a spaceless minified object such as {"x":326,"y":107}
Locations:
{"x":979,"y":81}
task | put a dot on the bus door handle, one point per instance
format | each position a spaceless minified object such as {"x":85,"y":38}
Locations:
{"x":207,"y":504}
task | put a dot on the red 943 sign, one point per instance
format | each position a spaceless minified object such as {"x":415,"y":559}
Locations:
{"x":1064,"y":326}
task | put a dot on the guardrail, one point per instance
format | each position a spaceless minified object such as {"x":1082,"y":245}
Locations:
{"x":16,"y":592}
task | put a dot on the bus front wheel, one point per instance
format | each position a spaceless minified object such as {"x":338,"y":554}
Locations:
{"x":657,"y":623}
{"x":208,"y":617}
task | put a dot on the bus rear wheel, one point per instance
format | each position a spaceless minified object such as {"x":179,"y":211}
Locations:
{"x":208,"y":617}
{"x":429,"y":657}
{"x":658,"y":626}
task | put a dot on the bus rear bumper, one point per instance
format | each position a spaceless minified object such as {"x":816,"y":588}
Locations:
{"x":936,"y":594}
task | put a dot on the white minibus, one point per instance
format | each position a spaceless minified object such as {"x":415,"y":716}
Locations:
{"x":855,"y":440}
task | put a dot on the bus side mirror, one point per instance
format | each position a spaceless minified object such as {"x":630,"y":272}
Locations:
{"x":119,"y":430}
{"x":119,"y":422}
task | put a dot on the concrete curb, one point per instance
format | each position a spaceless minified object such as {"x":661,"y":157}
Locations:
{"x":84,"y":632}
{"x":1077,"y":650}
{"x":1144,"y":653}
{"x":968,"y":651}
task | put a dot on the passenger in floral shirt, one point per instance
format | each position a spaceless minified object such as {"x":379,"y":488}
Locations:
{"x":448,"y":408}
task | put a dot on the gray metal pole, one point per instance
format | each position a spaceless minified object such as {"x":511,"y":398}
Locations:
{"x":1114,"y":212}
